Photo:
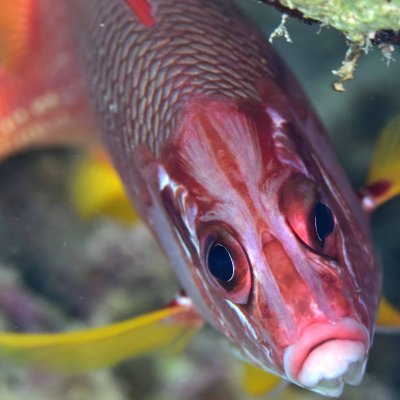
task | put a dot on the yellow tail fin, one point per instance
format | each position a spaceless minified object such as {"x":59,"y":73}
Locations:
{"x":101,"y":347}
{"x":257,"y":381}
{"x":96,"y":190}
{"x":388,"y":317}
{"x":384,"y":176}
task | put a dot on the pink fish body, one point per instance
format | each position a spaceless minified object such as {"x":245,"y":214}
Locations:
{"x":230,"y":168}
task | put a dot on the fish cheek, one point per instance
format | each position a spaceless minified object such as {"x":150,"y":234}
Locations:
{"x":362,"y":277}
{"x":267,"y":326}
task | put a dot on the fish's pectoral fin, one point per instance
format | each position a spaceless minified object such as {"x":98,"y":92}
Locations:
{"x":74,"y":352}
{"x":388,"y":320}
{"x":384,"y":177}
{"x":96,"y":190}
{"x":17,"y":27}
{"x":256,"y":381}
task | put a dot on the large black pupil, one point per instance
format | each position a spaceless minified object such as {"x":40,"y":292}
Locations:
{"x":323,"y":221}
{"x":220,"y":263}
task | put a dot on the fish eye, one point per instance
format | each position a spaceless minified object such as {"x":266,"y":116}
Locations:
{"x":220,"y":263}
{"x":225,"y":264}
{"x":323,"y":222}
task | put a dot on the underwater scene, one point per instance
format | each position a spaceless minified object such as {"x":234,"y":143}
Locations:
{"x":74,"y":255}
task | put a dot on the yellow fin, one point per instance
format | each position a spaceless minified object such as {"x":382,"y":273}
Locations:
{"x":384,"y":175}
{"x":388,"y":316}
{"x":96,"y":190}
{"x":17,"y":20}
{"x":95,"y":348}
{"x":257,"y":381}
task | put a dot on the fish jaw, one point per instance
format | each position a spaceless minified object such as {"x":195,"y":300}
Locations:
{"x":327,"y":356}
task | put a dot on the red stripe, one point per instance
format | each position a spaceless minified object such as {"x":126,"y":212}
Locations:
{"x":142,"y":9}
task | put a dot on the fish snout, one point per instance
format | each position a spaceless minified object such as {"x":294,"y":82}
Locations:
{"x":328,"y":355}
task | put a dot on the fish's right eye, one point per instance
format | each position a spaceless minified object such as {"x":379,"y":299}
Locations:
{"x":226,"y":265}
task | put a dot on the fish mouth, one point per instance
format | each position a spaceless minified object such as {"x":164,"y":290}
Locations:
{"x":327,"y":356}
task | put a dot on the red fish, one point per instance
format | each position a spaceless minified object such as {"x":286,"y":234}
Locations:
{"x":225,"y":161}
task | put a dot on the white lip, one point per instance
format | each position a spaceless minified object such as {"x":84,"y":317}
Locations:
{"x":327,"y":356}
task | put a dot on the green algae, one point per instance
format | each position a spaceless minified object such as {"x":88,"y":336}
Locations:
{"x":357,"y":19}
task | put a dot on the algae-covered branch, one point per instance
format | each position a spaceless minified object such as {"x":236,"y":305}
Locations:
{"x":363,"y":22}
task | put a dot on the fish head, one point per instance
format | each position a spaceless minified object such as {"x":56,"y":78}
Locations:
{"x":271,"y":243}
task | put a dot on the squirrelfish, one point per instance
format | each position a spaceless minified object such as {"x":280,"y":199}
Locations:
{"x":225,"y":161}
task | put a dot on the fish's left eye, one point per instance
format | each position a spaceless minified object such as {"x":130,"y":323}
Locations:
{"x":226,"y":266}
{"x":308,"y":216}
{"x":323,"y":222}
